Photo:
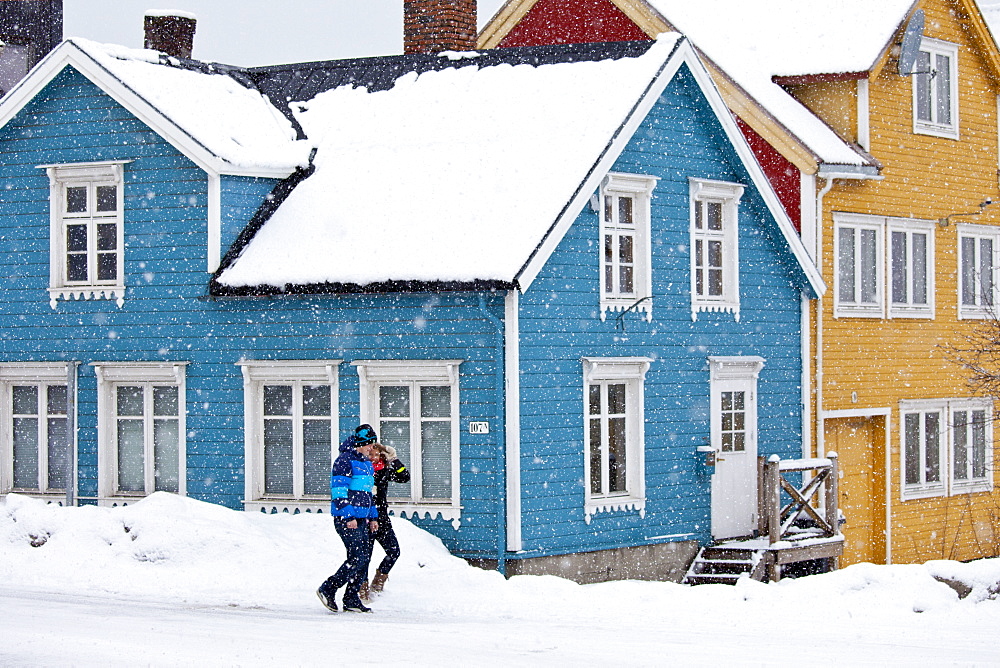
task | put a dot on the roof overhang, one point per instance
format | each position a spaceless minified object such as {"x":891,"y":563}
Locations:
{"x":69,"y":54}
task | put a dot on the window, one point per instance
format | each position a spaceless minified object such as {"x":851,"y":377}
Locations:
{"x":415,"y":405}
{"x":714,"y":246}
{"x":625,"y":259}
{"x":935,"y":89}
{"x":863,"y":258}
{"x":33,"y":411}
{"x":947,"y":447}
{"x":87,"y":235}
{"x":978,"y":246}
{"x":613,"y":416}
{"x":734,"y":403}
{"x":911,"y":248}
{"x":140,"y":415}
{"x":291,"y":426}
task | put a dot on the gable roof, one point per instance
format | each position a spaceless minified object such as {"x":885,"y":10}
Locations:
{"x":222,"y":125}
{"x":462,"y":174}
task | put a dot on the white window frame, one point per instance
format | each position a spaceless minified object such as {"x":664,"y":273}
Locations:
{"x":980,"y":308}
{"x":701,"y":192}
{"x":111,"y":375}
{"x":257,"y":374}
{"x":42,"y":375}
{"x":734,"y":374}
{"x":949,"y":485}
{"x":934,"y":127}
{"x":89,"y":175}
{"x":883,"y":305}
{"x":911,"y":229}
{"x":631,"y":371}
{"x":372,"y":375}
{"x":639,"y":188}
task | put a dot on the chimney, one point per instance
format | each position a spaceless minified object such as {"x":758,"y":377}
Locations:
{"x":430,"y":26}
{"x":170,"y":31}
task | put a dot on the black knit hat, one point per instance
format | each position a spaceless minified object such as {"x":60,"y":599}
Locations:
{"x":364,"y":435}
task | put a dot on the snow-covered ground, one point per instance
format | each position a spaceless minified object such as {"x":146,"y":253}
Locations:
{"x":172,"y":581}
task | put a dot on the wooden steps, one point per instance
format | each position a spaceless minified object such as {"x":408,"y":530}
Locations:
{"x":725,"y":565}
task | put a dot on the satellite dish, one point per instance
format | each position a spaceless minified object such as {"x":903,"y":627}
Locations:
{"x":910,"y":48}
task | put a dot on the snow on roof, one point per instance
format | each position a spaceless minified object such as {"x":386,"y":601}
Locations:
{"x":451,"y":175}
{"x":236,"y":124}
{"x":754,"y":40}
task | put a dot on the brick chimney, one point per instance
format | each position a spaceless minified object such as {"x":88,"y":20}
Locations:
{"x":430,"y":26}
{"x":170,"y":31}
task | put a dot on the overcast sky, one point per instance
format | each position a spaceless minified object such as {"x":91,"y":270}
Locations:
{"x":259,"y":32}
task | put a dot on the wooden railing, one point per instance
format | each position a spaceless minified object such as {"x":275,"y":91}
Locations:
{"x":813,"y":500}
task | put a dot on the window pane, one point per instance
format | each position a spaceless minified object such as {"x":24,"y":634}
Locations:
{"x":608,"y":208}
{"x":625,"y":210}
{"x":845,"y":257}
{"x":436,"y":459}
{"x":899,"y":268}
{"x":76,"y":238}
{"x":130,"y":400}
{"x":25,"y":453}
{"x":107,"y":266}
{"x":76,"y":199}
{"x":986,"y":271}
{"x":277,"y":400}
{"x":616,"y":455}
{"x":107,"y":236}
{"x":317,"y":440}
{"x":595,"y":399}
{"x":131,"y":458}
{"x":107,"y":198}
{"x":968,"y":250}
{"x":923,"y":83}
{"x":394,"y":401}
{"x":76,"y":267}
{"x":278,"y":456}
{"x":979,"y":444}
{"x":165,"y":400}
{"x":316,"y":400}
{"x":911,"y":438}
{"x":714,"y":211}
{"x":166,"y":454}
{"x":56,"y":399}
{"x":942,"y":78}
{"x":961,"y":436}
{"x":699,"y":215}
{"x":58,"y":475}
{"x":932,"y":434}
{"x":435,"y":402}
{"x":25,"y":399}
{"x":616,"y":399}
{"x":869,"y":267}
{"x":919,"y":252}
{"x":397,"y":435}
{"x":595,"y":453}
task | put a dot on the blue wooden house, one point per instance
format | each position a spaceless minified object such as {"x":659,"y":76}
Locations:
{"x":554,"y":278}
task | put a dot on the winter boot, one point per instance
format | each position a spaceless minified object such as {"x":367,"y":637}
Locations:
{"x":378,"y":582}
{"x":327,"y":600}
{"x":363,"y":591}
{"x":356,"y":606}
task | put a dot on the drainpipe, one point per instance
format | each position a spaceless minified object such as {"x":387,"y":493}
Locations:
{"x":71,"y":370}
{"x":820,"y":441}
{"x":500,"y":438}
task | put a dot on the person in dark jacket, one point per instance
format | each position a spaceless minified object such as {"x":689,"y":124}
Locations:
{"x":388,"y":469}
{"x":355,"y":518}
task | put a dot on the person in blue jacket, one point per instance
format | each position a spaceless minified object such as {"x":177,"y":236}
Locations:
{"x":355,"y":517}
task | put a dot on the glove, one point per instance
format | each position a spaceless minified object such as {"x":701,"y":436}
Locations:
{"x":390,"y":452}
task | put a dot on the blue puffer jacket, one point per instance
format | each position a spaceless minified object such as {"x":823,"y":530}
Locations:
{"x":352,"y":482}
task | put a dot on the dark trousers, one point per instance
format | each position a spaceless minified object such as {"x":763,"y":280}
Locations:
{"x":386,"y":537}
{"x":354,"y":570}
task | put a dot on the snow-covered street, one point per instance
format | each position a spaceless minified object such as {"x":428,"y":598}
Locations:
{"x":193,"y":584}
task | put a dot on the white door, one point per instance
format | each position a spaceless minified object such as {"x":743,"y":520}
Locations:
{"x":734,"y":438}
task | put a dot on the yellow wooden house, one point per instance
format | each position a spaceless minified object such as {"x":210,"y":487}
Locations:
{"x":878,"y":124}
